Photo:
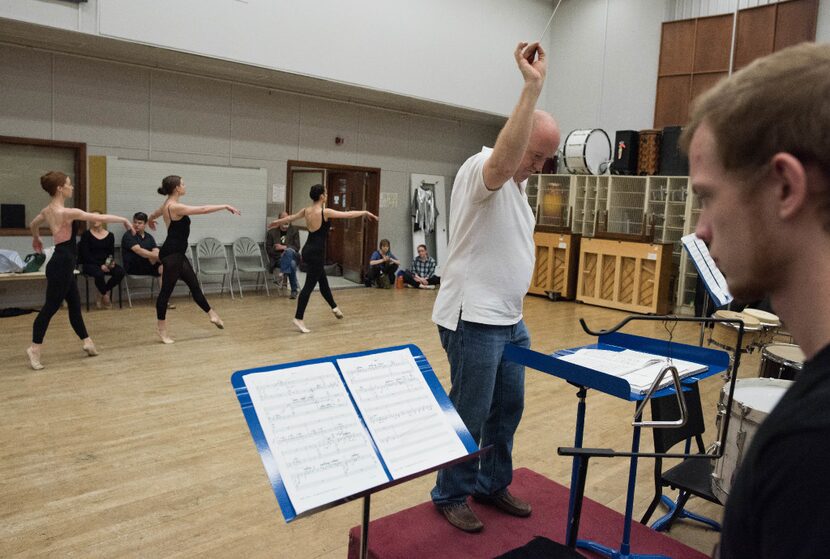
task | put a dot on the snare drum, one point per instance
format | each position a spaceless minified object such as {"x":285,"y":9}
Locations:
{"x":725,"y":334}
{"x":754,"y":400}
{"x":586,"y":151}
{"x":770,"y":324}
{"x":781,"y":361}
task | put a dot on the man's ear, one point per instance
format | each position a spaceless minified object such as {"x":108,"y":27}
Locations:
{"x":791,"y":186}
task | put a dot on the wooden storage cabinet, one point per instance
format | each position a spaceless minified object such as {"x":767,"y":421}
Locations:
{"x":625,"y":275}
{"x":556,"y":264}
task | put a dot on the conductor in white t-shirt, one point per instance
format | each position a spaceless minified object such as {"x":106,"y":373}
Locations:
{"x":479,"y":307}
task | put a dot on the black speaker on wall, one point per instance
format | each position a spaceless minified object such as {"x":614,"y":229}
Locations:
{"x":626,"y":144}
{"x":672,"y":161}
{"x":12,"y":216}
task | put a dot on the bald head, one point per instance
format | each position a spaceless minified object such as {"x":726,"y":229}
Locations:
{"x":542,"y":145}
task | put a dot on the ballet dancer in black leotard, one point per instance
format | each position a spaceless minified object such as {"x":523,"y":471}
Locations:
{"x":317,"y":218}
{"x":172,"y":254}
{"x":60,"y":271}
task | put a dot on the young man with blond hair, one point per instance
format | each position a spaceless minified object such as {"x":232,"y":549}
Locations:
{"x":759,"y":156}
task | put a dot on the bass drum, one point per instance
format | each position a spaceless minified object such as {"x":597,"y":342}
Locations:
{"x":587,"y":152}
{"x":754,"y":399}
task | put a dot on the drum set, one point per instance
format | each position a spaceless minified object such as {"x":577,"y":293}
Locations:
{"x":754,"y":398}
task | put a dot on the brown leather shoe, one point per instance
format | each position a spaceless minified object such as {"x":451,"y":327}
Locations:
{"x":462,"y":517}
{"x":505,"y":502}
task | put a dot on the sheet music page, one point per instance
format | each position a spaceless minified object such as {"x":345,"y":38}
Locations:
{"x":637,"y":368}
{"x":406,"y":422}
{"x":709,"y":272}
{"x":321,"y":448}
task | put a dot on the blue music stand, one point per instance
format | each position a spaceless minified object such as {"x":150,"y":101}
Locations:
{"x":584,"y":379}
{"x":268,"y":459}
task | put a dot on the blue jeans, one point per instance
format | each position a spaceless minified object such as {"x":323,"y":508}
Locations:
{"x":288,"y":265}
{"x":488,"y":393}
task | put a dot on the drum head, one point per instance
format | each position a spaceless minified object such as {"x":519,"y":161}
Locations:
{"x":750,"y":322}
{"x":597,"y":150}
{"x":765,"y":318}
{"x":785,"y":353}
{"x":586,"y":150}
{"x":761,"y":394}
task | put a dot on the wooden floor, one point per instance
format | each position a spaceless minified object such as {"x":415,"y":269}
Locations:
{"x":143,"y":451}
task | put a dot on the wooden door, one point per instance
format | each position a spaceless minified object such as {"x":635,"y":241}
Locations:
{"x":347,"y":192}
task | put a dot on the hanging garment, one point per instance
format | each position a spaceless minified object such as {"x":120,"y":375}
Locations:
{"x":424,"y":210}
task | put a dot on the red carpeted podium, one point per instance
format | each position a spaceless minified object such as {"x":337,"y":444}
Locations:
{"x":422,"y":532}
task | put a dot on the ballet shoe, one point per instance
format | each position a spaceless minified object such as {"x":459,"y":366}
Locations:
{"x":34,"y":362}
{"x":165,"y":339}
{"x":337,"y":312}
{"x":302,"y":328}
{"x":106,"y":301}
{"x":218,"y":323}
{"x":90,"y":349}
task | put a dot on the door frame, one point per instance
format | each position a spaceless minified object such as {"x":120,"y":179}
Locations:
{"x":371,"y":198}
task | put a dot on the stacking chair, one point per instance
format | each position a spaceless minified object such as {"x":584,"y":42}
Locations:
{"x":212,"y":260}
{"x":692,"y":476}
{"x":148,"y":281}
{"x":247,"y":258}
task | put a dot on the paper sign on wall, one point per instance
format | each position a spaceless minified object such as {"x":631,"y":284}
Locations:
{"x":278,"y":193}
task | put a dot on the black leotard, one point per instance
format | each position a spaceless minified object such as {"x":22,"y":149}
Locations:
{"x":61,"y":286}
{"x":314,"y":258}
{"x":176,"y":265}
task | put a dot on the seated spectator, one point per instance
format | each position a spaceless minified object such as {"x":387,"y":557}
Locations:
{"x":422,"y":273}
{"x":283,"y":247}
{"x":96,"y":254}
{"x":139,"y":252}
{"x":382,"y":267}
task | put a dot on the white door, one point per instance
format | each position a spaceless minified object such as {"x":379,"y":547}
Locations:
{"x":436,"y":240}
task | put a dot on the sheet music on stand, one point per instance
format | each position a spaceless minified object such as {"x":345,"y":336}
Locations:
{"x":710,"y":274}
{"x":333,"y":428}
{"x":637,"y":368}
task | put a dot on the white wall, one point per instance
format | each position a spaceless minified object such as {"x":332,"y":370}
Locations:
{"x":603,"y":68}
{"x":458,"y":52}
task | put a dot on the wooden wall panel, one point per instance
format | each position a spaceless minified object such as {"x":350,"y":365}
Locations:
{"x":677,"y":44}
{"x":702,"y":82}
{"x":713,"y":44}
{"x":796,"y":23}
{"x":755,"y":34}
{"x":672,"y":105}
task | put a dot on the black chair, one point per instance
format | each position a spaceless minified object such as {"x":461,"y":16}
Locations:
{"x":691,"y":476}
{"x":86,"y":280}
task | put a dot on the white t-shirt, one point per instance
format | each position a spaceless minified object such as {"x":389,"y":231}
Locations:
{"x":491,"y":251}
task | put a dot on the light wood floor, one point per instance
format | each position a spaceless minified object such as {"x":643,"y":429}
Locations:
{"x":143,"y":451}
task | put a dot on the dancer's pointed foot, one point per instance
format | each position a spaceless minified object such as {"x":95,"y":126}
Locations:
{"x":165,"y":338}
{"x":337,"y":312}
{"x":215,"y":320}
{"x":34,"y":358}
{"x":89,"y":348}
{"x":301,"y":326}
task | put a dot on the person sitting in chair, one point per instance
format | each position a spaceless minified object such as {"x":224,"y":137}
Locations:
{"x":283,"y":247}
{"x":139,"y":252}
{"x":96,"y":249}
{"x":422,"y":273}
{"x":382,"y":266}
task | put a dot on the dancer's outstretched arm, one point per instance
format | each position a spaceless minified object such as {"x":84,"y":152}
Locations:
{"x":182,"y":209}
{"x":287,"y":219}
{"x":336,"y":214}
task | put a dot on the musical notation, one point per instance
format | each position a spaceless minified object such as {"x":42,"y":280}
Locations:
{"x":406,"y":422}
{"x":321,"y":448}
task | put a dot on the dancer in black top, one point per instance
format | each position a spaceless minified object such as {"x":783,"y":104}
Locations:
{"x":96,"y":250}
{"x":172,"y":254}
{"x":60,"y":271}
{"x":317,"y":218}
